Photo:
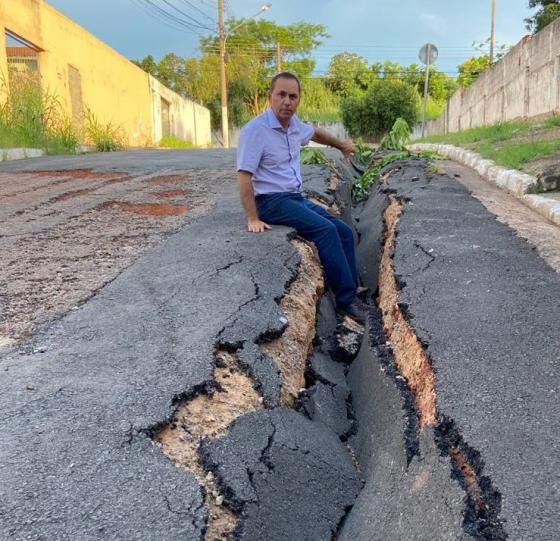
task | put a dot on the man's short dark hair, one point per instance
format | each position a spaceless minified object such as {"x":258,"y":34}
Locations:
{"x":284,"y":75}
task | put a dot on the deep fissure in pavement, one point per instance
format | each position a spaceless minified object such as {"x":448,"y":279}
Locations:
{"x":482,"y":500}
{"x":232,"y":394}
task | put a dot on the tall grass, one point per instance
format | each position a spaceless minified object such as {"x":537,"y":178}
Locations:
{"x":318,"y":103}
{"x":105,"y":137}
{"x":32,"y":117}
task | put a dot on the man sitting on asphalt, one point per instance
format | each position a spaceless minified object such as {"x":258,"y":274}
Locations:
{"x":268,"y":165}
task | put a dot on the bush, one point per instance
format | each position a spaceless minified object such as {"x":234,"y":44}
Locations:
{"x":374,"y":114}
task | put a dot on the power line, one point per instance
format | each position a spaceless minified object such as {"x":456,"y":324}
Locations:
{"x":169,"y":17}
{"x":195,"y":21}
{"x":157,"y":16}
{"x":200,"y":11}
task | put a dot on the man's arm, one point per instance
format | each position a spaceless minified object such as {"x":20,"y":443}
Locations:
{"x":325,"y":138}
{"x":254,"y":225}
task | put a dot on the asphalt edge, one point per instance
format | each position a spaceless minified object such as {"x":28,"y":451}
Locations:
{"x":515,"y":182}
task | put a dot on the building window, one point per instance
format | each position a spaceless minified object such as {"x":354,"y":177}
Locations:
{"x":23,"y":58}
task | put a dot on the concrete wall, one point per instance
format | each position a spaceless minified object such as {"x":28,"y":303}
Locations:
{"x":75,"y":64}
{"x":523,"y":84}
{"x":187,"y":120}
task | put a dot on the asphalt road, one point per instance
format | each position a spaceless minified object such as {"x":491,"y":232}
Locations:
{"x":81,"y":400}
{"x":487,"y":308}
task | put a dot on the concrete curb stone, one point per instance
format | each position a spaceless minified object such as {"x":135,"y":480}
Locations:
{"x":8,"y":154}
{"x":517,"y":183}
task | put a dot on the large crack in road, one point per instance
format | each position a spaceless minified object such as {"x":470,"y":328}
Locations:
{"x":211,"y":392}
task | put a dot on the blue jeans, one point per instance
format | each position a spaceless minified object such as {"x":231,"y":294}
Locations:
{"x":332,"y":237}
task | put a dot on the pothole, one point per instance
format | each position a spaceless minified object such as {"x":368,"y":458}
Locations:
{"x":410,"y":358}
{"x":290,"y":351}
{"x":147,"y":209}
{"x":209,"y":416}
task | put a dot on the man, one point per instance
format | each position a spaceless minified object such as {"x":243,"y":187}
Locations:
{"x":268,"y":165}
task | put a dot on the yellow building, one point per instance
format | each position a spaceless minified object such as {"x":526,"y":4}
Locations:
{"x":83,"y":72}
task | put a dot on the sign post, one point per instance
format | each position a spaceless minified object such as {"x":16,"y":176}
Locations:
{"x":428,"y":55}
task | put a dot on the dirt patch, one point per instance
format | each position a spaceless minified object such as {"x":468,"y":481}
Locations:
{"x":210,"y":416}
{"x":55,"y":254}
{"x":147,"y":209}
{"x":410,"y":358}
{"x":171,"y":194}
{"x":80,"y":173}
{"x":70,"y":195}
{"x":167,"y":179}
{"x":470,"y":479}
{"x":333,"y":183}
{"x":290,"y":351}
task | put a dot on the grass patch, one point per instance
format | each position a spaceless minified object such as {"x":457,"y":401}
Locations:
{"x":515,"y":155}
{"x":105,"y":137}
{"x":492,"y":134}
{"x":33,"y":118}
{"x":171,"y":141}
{"x":509,"y":144}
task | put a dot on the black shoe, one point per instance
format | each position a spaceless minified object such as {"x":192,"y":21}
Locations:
{"x":354,"y":311}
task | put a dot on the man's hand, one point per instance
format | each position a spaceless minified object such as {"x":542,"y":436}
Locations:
{"x":256,"y":226}
{"x":347,"y":147}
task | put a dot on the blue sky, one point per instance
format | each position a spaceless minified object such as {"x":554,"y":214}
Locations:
{"x":376,"y":29}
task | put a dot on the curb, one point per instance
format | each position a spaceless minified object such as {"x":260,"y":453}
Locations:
{"x":8,"y":154}
{"x":515,"y":182}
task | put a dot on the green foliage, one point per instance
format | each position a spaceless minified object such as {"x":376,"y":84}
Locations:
{"x":362,"y":186}
{"x":309,"y":155}
{"x":349,"y":74}
{"x":364,"y":152}
{"x":552,"y":122}
{"x":171,"y":141}
{"x":513,"y":155}
{"x":105,"y":137}
{"x":375,"y":113}
{"x":33,"y":118}
{"x":549,"y":11}
{"x":494,"y":134}
{"x":318,"y":103}
{"x":471,"y":68}
{"x":397,"y":138}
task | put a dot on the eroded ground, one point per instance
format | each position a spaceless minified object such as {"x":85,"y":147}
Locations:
{"x":64,"y":234}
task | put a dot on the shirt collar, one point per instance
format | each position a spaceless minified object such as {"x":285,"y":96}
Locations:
{"x":274,"y":123}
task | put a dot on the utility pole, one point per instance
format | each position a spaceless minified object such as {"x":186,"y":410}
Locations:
{"x":278,"y":57}
{"x":492,"y":23}
{"x":222,"y":36}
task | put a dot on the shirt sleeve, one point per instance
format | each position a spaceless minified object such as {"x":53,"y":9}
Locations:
{"x":307,"y":132}
{"x":249,"y":149}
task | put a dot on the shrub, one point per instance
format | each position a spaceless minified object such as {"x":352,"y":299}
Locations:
{"x":374,"y":114}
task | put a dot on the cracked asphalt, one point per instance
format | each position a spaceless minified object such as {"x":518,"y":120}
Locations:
{"x":486,"y":306}
{"x":81,"y":399}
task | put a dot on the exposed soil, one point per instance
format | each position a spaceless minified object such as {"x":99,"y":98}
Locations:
{"x":65,"y":234}
{"x":147,"y":209}
{"x":290,"y":351}
{"x":410,"y":358}
{"x":210,"y":416}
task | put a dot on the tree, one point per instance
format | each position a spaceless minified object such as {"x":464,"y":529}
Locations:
{"x":471,"y":68}
{"x":374,"y":114}
{"x":549,"y":11}
{"x":348,"y":73}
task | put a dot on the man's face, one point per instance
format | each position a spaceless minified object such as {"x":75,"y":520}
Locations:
{"x":284,"y":100}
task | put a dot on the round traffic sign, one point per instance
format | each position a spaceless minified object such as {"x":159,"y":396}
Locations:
{"x":428,"y":53}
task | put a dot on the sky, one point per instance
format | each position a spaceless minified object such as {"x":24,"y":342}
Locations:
{"x":376,"y":29}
